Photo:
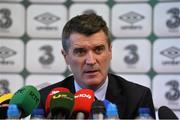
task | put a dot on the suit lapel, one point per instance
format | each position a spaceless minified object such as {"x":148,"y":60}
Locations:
{"x":115,"y":94}
{"x":69,"y":83}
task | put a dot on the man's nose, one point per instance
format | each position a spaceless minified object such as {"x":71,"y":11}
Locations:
{"x":90,"y":58}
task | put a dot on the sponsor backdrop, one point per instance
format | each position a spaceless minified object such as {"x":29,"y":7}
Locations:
{"x":145,"y":39}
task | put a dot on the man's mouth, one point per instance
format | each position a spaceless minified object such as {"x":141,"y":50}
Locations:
{"x":91,"y":71}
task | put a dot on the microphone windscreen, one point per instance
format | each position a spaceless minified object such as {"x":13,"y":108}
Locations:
{"x":3,"y":112}
{"x":111,"y":110}
{"x":26,"y":98}
{"x":166,"y":113}
{"x":106,"y":102}
{"x":62,"y":102}
{"x":52,"y":92}
{"x":98,"y":107}
{"x":5,"y":98}
{"x":83,"y":101}
{"x":4,"y":103}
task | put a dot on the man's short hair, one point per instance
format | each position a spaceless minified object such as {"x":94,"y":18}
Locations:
{"x":86,"y":24}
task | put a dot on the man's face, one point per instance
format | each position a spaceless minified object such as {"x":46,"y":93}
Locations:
{"x":89,"y":58}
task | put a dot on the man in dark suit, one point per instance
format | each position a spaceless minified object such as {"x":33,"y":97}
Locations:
{"x":87,"y":50}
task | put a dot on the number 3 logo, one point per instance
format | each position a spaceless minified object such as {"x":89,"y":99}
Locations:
{"x":173,"y":93}
{"x":133,"y":57}
{"x":174,"y":22}
{"x":5,"y":20}
{"x":48,"y":57}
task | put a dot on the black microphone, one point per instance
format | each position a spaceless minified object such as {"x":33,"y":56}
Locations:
{"x":98,"y":110}
{"x":4,"y":103}
{"x":166,"y":113}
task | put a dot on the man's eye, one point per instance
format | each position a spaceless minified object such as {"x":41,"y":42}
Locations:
{"x":99,"y":50}
{"x":79,"y":52}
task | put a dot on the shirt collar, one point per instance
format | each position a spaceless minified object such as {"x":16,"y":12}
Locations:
{"x":100,"y":93}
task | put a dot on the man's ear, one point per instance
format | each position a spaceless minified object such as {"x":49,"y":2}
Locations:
{"x":110,"y":51}
{"x":65,"y":55}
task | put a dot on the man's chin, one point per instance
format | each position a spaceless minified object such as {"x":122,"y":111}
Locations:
{"x":93,"y":85}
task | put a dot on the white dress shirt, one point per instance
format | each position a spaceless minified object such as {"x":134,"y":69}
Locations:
{"x":100,"y":93}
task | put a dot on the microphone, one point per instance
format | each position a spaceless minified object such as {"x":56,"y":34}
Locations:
{"x":82,"y":103}
{"x":166,"y":113}
{"x":61,"y":105}
{"x":5,"y":98}
{"x":106,"y":102}
{"x":26,"y":98}
{"x":52,"y":92}
{"x":13,"y":112}
{"x":98,"y":110}
{"x":111,"y":110}
{"x":4,"y":103}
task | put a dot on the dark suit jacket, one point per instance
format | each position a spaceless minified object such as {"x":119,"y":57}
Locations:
{"x":126,"y":95}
